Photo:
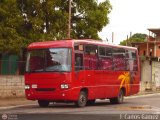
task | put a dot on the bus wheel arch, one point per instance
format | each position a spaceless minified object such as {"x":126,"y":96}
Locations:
{"x":85,"y":90}
{"x":83,"y":97}
{"x":120,"y":98}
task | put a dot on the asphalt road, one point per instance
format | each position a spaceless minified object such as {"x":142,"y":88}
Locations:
{"x":145,"y":107}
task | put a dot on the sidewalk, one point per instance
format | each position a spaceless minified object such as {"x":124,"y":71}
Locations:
{"x":147,"y":92}
{"x":4,"y":102}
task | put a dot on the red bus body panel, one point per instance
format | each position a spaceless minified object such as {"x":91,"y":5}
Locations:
{"x":101,"y":84}
{"x":49,"y":81}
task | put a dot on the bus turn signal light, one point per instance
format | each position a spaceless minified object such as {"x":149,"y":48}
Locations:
{"x":27,"y":87}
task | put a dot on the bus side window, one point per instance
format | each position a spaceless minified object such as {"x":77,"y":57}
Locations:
{"x":119,"y":59}
{"x":90,"y":57}
{"x":105,"y":58}
{"x":127,"y":55}
{"x":78,"y":61}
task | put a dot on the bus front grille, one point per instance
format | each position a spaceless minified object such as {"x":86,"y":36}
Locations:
{"x":45,"y":89}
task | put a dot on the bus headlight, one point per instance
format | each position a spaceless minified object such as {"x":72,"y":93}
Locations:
{"x":27,"y":87}
{"x":64,"y":86}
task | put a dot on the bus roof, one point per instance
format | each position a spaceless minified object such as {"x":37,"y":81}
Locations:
{"x":70,"y":43}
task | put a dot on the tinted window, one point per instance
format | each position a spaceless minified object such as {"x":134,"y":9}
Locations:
{"x":91,"y":49}
{"x":105,"y":58}
{"x":78,"y":61}
{"x":102,"y":51}
{"x":90,"y":57}
{"x":108,"y":51}
{"x":78,"y":47}
{"x":119,"y":59}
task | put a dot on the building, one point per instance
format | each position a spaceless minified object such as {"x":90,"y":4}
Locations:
{"x":149,"y":52}
{"x":151,"y":47}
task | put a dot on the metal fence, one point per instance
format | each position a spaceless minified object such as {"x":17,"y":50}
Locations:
{"x":8,"y":67}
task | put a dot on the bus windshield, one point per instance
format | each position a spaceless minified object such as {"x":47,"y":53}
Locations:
{"x":45,"y":60}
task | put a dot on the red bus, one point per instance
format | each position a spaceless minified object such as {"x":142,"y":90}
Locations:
{"x":80,"y":71}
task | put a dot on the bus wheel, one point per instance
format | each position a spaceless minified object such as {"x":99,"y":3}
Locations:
{"x":91,"y":102}
{"x":119,"y":99}
{"x":43,"y":103}
{"x":82,"y":100}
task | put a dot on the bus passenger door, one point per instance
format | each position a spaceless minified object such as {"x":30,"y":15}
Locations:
{"x":134,"y":80}
{"x":79,"y":69}
{"x":133,"y":66}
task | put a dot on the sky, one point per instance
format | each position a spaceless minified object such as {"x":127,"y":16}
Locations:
{"x":130,"y":17}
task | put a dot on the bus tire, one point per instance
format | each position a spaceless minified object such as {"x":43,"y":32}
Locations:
{"x":119,"y":99}
{"x":43,"y":103}
{"x":91,"y":102}
{"x":82,"y":100}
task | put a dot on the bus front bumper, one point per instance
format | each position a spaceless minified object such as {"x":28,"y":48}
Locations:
{"x":59,"y":95}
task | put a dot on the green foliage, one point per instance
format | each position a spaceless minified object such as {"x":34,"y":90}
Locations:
{"x":26,"y":21}
{"x":123,"y":43}
{"x":138,"y":37}
{"x":10,"y":23}
{"x":91,"y":18}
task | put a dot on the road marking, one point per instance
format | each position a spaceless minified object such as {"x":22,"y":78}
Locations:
{"x":138,"y":107}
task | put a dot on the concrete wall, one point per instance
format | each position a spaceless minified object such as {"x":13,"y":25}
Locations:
{"x":156,"y":74}
{"x":11,"y":86}
{"x":150,"y":76}
{"x":146,"y":71}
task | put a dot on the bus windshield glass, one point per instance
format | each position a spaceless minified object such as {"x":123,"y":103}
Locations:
{"x":45,"y":60}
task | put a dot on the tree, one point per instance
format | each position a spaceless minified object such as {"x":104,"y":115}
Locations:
{"x":41,"y":20}
{"x":90,"y":18}
{"x":10,"y":23}
{"x":52,"y":16}
{"x":26,"y":21}
{"x":138,"y":37}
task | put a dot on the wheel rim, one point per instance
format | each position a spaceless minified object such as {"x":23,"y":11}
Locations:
{"x":82,"y":100}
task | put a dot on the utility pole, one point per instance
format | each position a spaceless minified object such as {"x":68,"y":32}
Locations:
{"x":69,"y":20}
{"x":112,"y":37}
{"x":127,"y":41}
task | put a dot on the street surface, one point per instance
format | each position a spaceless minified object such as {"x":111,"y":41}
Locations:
{"x":135,"y":107}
